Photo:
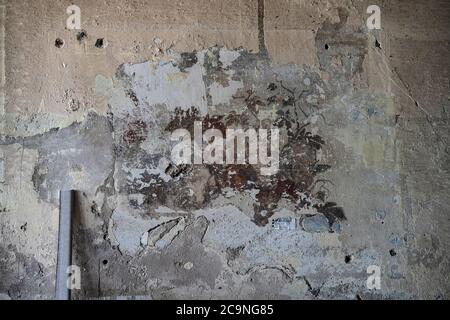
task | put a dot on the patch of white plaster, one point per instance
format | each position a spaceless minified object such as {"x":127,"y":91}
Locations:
{"x":162,"y":83}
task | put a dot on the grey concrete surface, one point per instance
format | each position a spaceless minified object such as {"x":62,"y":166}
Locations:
{"x":364,"y":169}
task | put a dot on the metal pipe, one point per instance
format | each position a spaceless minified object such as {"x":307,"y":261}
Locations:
{"x":64,"y":259}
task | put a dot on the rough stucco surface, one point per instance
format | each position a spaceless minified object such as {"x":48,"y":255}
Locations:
{"x":364,"y":153}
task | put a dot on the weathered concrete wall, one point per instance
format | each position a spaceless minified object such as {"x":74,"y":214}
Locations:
{"x":364,"y":153}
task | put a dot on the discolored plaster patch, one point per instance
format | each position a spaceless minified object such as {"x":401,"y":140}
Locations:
{"x":68,"y":158}
{"x":273,"y":101}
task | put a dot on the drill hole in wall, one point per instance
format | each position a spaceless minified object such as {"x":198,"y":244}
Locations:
{"x":81,"y":35}
{"x":377,"y":44}
{"x":100,"y":43}
{"x":59,"y":43}
{"x":348,"y":259}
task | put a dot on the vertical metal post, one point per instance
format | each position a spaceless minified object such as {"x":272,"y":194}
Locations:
{"x":64,"y":259}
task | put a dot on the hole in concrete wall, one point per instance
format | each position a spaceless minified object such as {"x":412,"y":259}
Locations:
{"x":348,"y":258}
{"x":377,"y":44}
{"x":24,"y":227}
{"x":81,"y":35}
{"x":105,"y":262}
{"x":100,"y":43}
{"x":392,"y":252}
{"x":59,"y":43}
{"x":327,"y":46}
